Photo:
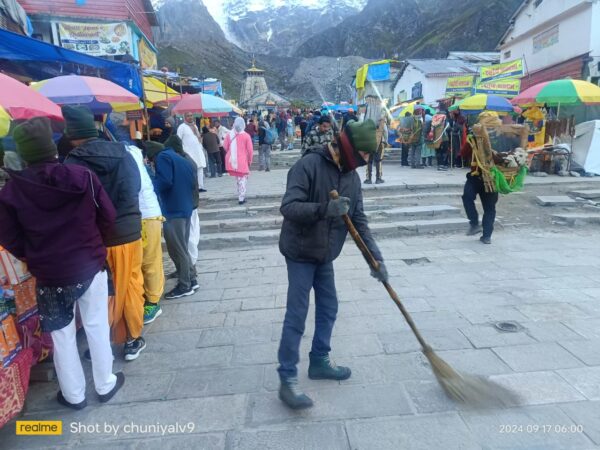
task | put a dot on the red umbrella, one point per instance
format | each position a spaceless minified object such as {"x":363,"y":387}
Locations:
{"x":19,"y":102}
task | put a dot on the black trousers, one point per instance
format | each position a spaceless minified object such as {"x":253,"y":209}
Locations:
{"x":214,"y":162}
{"x":473,"y":187}
{"x":222,"y":157}
{"x":442,"y":154}
{"x":404,"y":155}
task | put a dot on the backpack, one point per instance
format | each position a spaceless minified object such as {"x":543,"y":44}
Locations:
{"x":270,"y":135}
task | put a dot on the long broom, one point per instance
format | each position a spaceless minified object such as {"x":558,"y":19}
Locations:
{"x":468,"y":389}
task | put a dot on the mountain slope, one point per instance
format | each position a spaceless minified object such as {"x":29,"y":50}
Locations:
{"x":414,"y":28}
{"x":278,"y":27}
{"x":192,"y":42}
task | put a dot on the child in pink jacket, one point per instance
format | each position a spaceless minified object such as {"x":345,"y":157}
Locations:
{"x":238,"y":156}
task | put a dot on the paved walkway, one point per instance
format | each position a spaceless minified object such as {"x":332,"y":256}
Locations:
{"x":273,"y":182}
{"x":208,"y":373}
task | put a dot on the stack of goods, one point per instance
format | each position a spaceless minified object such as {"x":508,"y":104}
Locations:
{"x":410,"y":130}
{"x":435,"y":135}
{"x":499,"y":153}
{"x":22,"y":344}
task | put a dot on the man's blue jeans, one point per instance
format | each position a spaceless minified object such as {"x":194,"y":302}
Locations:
{"x":302,"y":277}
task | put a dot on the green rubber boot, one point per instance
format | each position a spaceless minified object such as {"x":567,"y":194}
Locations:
{"x":292,"y":396}
{"x":322,"y":368}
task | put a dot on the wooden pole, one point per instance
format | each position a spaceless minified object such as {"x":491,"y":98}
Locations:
{"x":144,"y":100}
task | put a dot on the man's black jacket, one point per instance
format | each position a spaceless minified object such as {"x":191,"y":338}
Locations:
{"x":306,"y":234}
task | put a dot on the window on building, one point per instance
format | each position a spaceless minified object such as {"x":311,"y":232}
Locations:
{"x":507,"y":54}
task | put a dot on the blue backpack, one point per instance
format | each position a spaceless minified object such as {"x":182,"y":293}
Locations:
{"x":270,"y":136}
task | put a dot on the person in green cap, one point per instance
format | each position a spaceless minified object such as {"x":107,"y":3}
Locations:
{"x":120,"y":177}
{"x":312,"y":237}
{"x":58,"y":219}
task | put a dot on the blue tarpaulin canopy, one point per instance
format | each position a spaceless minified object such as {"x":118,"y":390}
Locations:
{"x":379,"y":72}
{"x":30,"y":58}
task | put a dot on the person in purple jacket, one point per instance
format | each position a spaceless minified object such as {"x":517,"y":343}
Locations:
{"x":57,"y":218}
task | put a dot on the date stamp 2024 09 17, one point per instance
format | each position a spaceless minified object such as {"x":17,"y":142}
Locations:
{"x":544,"y":428}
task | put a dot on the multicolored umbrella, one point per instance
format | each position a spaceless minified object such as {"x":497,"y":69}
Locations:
{"x":483,"y":102}
{"x":19,"y":102}
{"x":560,"y":92}
{"x":411,"y":109}
{"x":100,"y":95}
{"x":203,"y":104}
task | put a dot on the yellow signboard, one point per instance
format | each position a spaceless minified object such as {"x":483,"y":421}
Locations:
{"x":147,"y":56}
{"x":459,"y":86}
{"x":508,"y":87}
{"x":511,"y":69}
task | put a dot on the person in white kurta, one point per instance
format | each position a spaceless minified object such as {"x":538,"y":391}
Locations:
{"x":190,"y":137}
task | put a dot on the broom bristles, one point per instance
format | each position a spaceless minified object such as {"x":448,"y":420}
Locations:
{"x":471,"y":390}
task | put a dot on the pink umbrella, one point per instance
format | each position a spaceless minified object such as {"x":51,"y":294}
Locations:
{"x":19,"y":102}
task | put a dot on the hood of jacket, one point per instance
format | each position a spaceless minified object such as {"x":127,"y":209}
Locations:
{"x":102,"y":157}
{"x":51,"y":185}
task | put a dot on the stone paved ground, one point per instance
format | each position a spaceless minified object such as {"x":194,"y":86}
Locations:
{"x":210,"y":363}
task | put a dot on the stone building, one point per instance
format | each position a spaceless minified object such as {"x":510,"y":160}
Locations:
{"x":255,"y":95}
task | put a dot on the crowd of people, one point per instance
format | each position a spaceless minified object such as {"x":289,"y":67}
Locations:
{"x":116,"y":199}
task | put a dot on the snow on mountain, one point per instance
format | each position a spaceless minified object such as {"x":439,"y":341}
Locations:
{"x":278,"y":27}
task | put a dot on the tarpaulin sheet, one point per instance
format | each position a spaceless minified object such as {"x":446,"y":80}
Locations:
{"x":379,"y":72}
{"x":31,"y":58}
{"x":586,"y":146}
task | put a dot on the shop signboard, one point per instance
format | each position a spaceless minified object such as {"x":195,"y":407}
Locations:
{"x":147,"y":56}
{"x":508,"y":87}
{"x":511,"y":69}
{"x":459,"y":86}
{"x":97,"y":39}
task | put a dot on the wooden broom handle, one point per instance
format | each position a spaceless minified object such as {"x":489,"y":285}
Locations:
{"x":374,"y":264}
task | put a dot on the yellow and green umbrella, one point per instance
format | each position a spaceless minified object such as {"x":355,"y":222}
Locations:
{"x":560,"y":92}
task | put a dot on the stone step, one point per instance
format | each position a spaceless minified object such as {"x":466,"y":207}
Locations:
{"x":230,"y":212}
{"x":374,"y":192}
{"x":555,"y":200}
{"x":413,"y":211}
{"x":379,"y":230}
{"x":237,"y":224}
{"x":586,"y":193}
{"x":387,"y":206}
{"x":575,"y":219}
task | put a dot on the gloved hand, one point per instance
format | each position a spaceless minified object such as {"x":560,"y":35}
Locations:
{"x":338,"y":207}
{"x":381,"y":274}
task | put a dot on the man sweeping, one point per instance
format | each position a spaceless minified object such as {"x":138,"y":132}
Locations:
{"x":312,"y":237}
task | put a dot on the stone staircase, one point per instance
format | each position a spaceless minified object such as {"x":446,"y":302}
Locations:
{"x":279,"y":159}
{"x":582,"y":207}
{"x":391,"y":213}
